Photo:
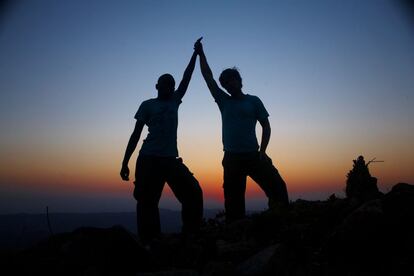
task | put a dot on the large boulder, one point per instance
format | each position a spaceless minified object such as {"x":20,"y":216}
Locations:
{"x":376,"y":237}
{"x":259,"y":263}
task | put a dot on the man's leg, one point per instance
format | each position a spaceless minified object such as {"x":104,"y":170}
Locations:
{"x":188,"y":192}
{"x":267,"y":176}
{"x":234,"y":187}
{"x":149,"y":183}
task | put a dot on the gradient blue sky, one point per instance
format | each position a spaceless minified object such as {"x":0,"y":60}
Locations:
{"x":335,"y":76}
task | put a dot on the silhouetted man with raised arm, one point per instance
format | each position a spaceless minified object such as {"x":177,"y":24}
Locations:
{"x":158,"y":160}
{"x":242,"y":156}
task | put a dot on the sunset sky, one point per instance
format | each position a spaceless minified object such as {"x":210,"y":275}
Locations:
{"x":337,"y":78}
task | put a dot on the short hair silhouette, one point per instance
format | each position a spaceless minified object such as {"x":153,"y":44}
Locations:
{"x":228,"y":75}
{"x":166,"y":78}
{"x":165,"y":85}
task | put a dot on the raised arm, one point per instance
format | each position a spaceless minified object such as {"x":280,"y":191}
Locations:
{"x":207,"y":73}
{"x":132,"y":144}
{"x":182,"y":88}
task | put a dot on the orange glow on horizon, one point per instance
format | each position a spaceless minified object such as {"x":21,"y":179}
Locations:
{"x":96,"y":171}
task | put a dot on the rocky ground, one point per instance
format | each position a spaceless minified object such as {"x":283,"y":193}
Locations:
{"x":332,"y":237}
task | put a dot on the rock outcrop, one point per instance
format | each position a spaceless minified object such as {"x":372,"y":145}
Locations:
{"x":332,"y":237}
{"x":360,"y":185}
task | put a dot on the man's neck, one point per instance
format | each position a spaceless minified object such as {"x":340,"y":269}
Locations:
{"x":163,"y":97}
{"x":237,"y":94}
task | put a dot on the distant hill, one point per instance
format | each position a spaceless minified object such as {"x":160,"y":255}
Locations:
{"x":23,"y":230}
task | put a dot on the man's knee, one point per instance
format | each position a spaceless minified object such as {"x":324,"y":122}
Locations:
{"x":137,"y":192}
{"x":190,"y":183}
{"x":145,"y":199}
{"x":198,"y":193}
{"x":234,"y":188}
{"x":195,"y":193}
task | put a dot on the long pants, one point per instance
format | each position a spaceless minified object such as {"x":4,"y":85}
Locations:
{"x":237,"y":166}
{"x":150,"y":176}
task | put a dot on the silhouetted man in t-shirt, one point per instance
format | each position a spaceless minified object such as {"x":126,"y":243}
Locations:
{"x":242,"y":156}
{"x":158,"y":160}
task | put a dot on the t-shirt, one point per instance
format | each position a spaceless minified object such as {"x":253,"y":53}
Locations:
{"x":161,"y":117}
{"x":239,"y":117}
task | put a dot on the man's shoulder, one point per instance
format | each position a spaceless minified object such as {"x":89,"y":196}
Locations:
{"x":258,"y":104}
{"x":148,"y":102}
{"x":252,"y":98}
{"x":145,"y":106}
